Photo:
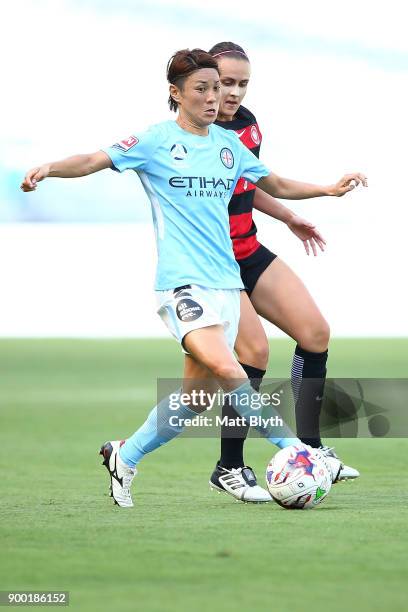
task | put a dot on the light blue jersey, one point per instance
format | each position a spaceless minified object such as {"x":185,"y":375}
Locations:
{"x":189,"y":180}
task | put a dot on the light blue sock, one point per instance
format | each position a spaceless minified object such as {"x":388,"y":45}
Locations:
{"x":280,"y":436}
{"x":161,"y":426}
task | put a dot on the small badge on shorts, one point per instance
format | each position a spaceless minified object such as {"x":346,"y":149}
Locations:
{"x":188,"y":310}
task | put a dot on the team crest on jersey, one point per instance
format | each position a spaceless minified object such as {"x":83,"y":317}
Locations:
{"x":255,"y":135}
{"x":227,"y":158}
{"x":178,"y":152}
{"x":125,"y":145}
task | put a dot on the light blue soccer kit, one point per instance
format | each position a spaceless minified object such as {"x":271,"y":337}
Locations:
{"x":189,"y":180}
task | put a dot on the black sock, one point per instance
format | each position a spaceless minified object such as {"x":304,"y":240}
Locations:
{"x":233,"y":437}
{"x":308,"y":378}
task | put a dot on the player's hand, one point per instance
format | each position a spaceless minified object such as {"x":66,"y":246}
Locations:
{"x":348,"y":183}
{"x":34,"y":176}
{"x":307,"y":233}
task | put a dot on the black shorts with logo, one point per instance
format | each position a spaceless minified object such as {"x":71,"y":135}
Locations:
{"x":253,"y":266}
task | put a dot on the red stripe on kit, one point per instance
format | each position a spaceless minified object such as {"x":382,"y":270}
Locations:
{"x":243,"y":186}
{"x":244,"y":247}
{"x":240,"y":224}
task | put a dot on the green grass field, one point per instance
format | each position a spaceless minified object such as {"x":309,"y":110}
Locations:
{"x":183,"y":547}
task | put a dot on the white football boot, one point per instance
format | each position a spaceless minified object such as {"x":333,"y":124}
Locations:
{"x":240,"y":483}
{"x":121,"y":475}
{"x":338,"y":469}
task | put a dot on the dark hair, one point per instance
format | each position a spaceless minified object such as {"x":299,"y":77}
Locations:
{"x":185,"y":62}
{"x":230,"y":49}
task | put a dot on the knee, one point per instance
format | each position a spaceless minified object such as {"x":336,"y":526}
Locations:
{"x":256,"y":354}
{"x":227,"y":371}
{"x":315,"y":337}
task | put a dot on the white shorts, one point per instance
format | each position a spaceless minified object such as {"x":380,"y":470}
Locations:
{"x":193,"y":307}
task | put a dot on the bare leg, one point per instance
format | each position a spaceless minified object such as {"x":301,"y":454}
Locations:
{"x":251,"y":345}
{"x":198,"y":378}
{"x":281,"y":297}
{"x":208,"y":347}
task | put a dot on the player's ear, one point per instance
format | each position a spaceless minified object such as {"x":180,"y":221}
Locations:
{"x":175,"y":93}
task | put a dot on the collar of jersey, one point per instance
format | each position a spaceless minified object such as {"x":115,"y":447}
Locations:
{"x":191,"y":135}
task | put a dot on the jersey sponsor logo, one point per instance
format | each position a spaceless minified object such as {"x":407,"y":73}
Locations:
{"x":188,"y":310}
{"x":239,"y":134}
{"x":200,"y":182}
{"x":128,"y":143}
{"x":227,"y":157}
{"x":255,"y":135}
{"x":203,"y":187}
{"x":178,"y":152}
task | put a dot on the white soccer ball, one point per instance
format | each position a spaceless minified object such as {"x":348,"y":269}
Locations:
{"x":298,"y":477}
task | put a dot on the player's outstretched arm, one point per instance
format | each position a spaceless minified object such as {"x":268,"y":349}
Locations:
{"x":71,"y":167}
{"x":304,"y":230}
{"x":279,"y":187}
{"x":271,"y":207}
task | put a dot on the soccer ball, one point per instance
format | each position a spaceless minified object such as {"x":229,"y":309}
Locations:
{"x":298,"y":477}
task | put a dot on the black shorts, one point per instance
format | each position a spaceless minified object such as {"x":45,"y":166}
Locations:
{"x":253,"y":266}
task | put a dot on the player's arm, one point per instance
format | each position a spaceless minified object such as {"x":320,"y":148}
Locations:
{"x":270,"y":206}
{"x":288,"y":189}
{"x":71,"y":167}
{"x":304,"y":230}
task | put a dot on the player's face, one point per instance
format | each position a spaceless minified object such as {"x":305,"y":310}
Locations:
{"x":199,"y":98}
{"x":234,"y":76}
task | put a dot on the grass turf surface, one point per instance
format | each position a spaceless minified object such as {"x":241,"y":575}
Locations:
{"x":183,"y":547}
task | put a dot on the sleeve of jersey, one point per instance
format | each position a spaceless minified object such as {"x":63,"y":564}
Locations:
{"x":134,"y":152}
{"x":251,"y":168}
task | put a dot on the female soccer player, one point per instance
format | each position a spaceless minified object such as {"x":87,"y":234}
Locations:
{"x":189,"y":169}
{"x":275,"y":291}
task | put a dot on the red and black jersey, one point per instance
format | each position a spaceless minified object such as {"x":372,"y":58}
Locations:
{"x":242,"y":227}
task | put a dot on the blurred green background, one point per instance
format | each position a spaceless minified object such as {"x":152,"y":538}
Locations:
{"x":183,"y":546}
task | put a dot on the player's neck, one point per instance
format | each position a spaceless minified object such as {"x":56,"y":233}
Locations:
{"x":225,"y":118}
{"x":188,"y":124}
